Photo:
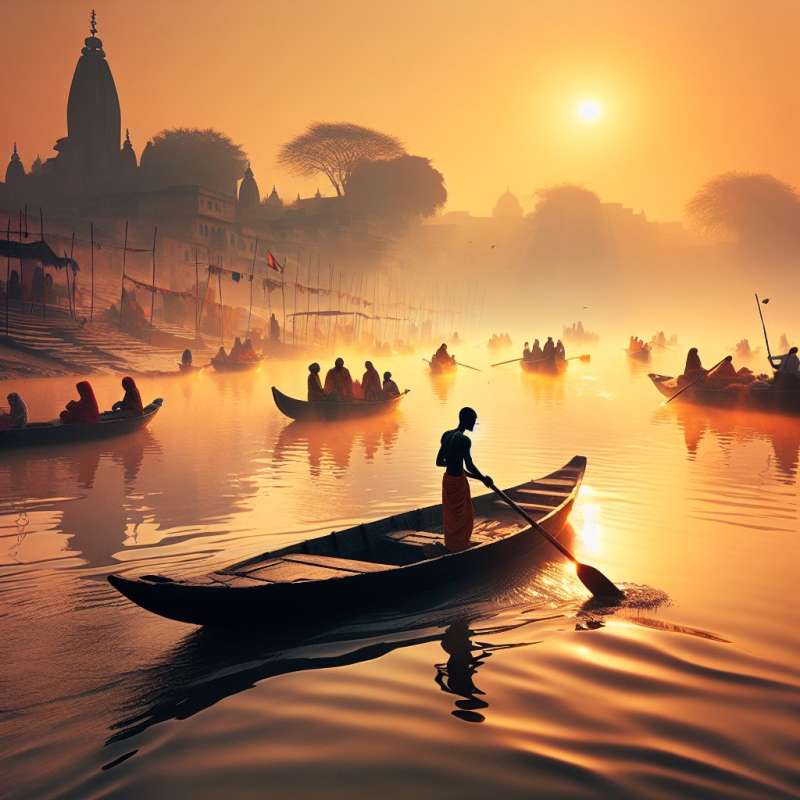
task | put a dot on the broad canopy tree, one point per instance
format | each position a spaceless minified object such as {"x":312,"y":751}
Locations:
{"x":760,"y":211}
{"x":334,"y":148}
{"x":397,"y":189}
{"x":182,"y":156}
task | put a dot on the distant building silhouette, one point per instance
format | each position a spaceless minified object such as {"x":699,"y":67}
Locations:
{"x":507,"y":206}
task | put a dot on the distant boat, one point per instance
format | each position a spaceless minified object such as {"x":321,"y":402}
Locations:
{"x":759,"y":395}
{"x":642,"y":354}
{"x":230,"y":365}
{"x":375,"y":564}
{"x":551,"y":366}
{"x":332,"y":409}
{"x":112,"y":423}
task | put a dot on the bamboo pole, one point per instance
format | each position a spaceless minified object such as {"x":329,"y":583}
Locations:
{"x":122,"y":290}
{"x":153,"y":289}
{"x":252,"y":278}
{"x":196,"y":297}
{"x":91,"y":252}
{"x":221,"y":307}
{"x":283,"y":298}
{"x":8,"y":272}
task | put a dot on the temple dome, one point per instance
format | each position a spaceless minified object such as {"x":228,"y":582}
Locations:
{"x":93,"y":111}
{"x":507,"y":206}
{"x":15,"y":172}
{"x":274,"y":199}
{"x":249,"y":196}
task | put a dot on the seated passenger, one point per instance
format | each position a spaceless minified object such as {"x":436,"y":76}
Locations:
{"x":236,"y":350}
{"x":17,"y":416}
{"x":221,"y":357}
{"x":315,"y":391}
{"x":693,"y":369}
{"x":526,"y":352}
{"x":131,"y":403}
{"x":338,"y":383}
{"x":536,"y":351}
{"x":389,"y":386}
{"x":371,"y":382}
{"x":82,"y":410}
{"x":561,"y":353}
{"x":186,"y":358}
{"x":549,"y":349}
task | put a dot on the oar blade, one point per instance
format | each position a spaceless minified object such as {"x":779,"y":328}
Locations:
{"x":597,"y":583}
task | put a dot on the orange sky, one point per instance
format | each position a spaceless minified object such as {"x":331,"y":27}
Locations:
{"x":486,"y":90}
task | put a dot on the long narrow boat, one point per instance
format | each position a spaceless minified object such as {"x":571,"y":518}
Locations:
{"x":546,"y":366}
{"x":642,"y":354}
{"x":441,"y":368}
{"x":332,"y":409}
{"x":235,"y":366}
{"x":375,"y":564}
{"x":56,"y":432}
{"x":760,"y":395}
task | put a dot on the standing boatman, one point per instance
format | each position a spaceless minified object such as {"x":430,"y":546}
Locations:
{"x":454,"y":453}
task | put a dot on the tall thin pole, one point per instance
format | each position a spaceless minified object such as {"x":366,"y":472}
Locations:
{"x":308,"y":298}
{"x":153,"y":289}
{"x":122,"y":289}
{"x":8,"y":271}
{"x":196,"y":296}
{"x":294,"y":304}
{"x":221,"y":307}
{"x":318,"y":294}
{"x":91,"y":251}
{"x":252,"y":277}
{"x":283,"y":298}
{"x":71,"y":297}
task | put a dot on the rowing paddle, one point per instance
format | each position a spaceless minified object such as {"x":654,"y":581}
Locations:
{"x":585,"y":358}
{"x":430,"y":364}
{"x":594,"y":580}
{"x":701,"y":378}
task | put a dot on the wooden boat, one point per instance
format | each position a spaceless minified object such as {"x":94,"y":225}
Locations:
{"x":546,"y":366}
{"x":375,"y":564}
{"x":111,"y":423}
{"x":235,"y":366}
{"x":332,"y":409}
{"x":188,"y":369}
{"x":642,"y":354}
{"x":440,"y":368}
{"x":759,"y":395}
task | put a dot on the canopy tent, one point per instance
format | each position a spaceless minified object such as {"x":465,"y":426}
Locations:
{"x":36,"y":251}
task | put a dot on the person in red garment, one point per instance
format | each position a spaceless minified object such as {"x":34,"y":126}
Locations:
{"x":315,"y":390}
{"x":338,"y":382}
{"x":371,"y":383}
{"x":131,"y":403}
{"x":454,"y":454}
{"x":83,"y":410}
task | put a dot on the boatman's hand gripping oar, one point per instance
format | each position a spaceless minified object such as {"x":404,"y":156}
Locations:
{"x":594,"y":580}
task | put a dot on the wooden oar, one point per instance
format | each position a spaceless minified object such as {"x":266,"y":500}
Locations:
{"x":585,"y":358}
{"x":594,"y":580}
{"x":693,"y":383}
{"x":764,"y":328}
{"x":430,"y":364}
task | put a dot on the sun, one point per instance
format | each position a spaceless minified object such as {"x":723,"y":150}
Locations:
{"x":590,"y":110}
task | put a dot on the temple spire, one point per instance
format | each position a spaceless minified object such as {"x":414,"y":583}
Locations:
{"x":93,"y":25}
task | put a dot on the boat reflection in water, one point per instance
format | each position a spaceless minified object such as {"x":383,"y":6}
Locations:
{"x":737,"y":427}
{"x":330,"y":444}
{"x":442,"y":384}
{"x":210,"y":665}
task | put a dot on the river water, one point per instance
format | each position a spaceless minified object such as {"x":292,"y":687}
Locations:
{"x":691,"y":688}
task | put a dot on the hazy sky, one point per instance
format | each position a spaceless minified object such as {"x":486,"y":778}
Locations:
{"x":487,"y":90}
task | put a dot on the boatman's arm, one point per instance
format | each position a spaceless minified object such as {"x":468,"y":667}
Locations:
{"x":441,"y":461}
{"x":471,"y":469}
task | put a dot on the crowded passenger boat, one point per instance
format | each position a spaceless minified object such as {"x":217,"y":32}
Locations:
{"x":242,"y":356}
{"x":724,"y":385}
{"x":550,"y":357}
{"x":80,"y":419}
{"x":441,"y":361}
{"x":638,"y":349}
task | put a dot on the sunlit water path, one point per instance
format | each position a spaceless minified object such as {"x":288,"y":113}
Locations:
{"x":520,"y":686}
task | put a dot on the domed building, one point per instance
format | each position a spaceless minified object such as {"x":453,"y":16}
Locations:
{"x":507,"y":207}
{"x":127,"y":163}
{"x":249,"y":195}
{"x":15,"y":172}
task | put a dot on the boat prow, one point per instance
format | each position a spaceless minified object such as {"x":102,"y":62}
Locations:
{"x":372,"y":565}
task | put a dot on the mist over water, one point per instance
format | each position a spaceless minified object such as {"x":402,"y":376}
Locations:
{"x":689,"y":689}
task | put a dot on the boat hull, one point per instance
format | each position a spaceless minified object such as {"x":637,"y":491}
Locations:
{"x":752,"y":396}
{"x":235,"y":366}
{"x":550,"y":366}
{"x":331,"y":409}
{"x":229,"y":599}
{"x":51,"y":433}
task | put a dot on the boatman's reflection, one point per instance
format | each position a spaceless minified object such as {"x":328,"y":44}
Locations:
{"x":455,"y":677}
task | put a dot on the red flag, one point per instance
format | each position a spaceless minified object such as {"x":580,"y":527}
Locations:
{"x":272,"y":262}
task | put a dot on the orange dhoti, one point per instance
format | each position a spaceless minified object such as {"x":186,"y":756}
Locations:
{"x":457,"y":512}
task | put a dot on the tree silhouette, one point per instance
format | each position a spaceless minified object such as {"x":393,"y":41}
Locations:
{"x":758,"y":210}
{"x":189,"y":156}
{"x":396,"y":189}
{"x":334,"y":148}
{"x":568,"y":223}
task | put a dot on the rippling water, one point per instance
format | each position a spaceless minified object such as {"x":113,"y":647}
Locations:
{"x":692,"y":688}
